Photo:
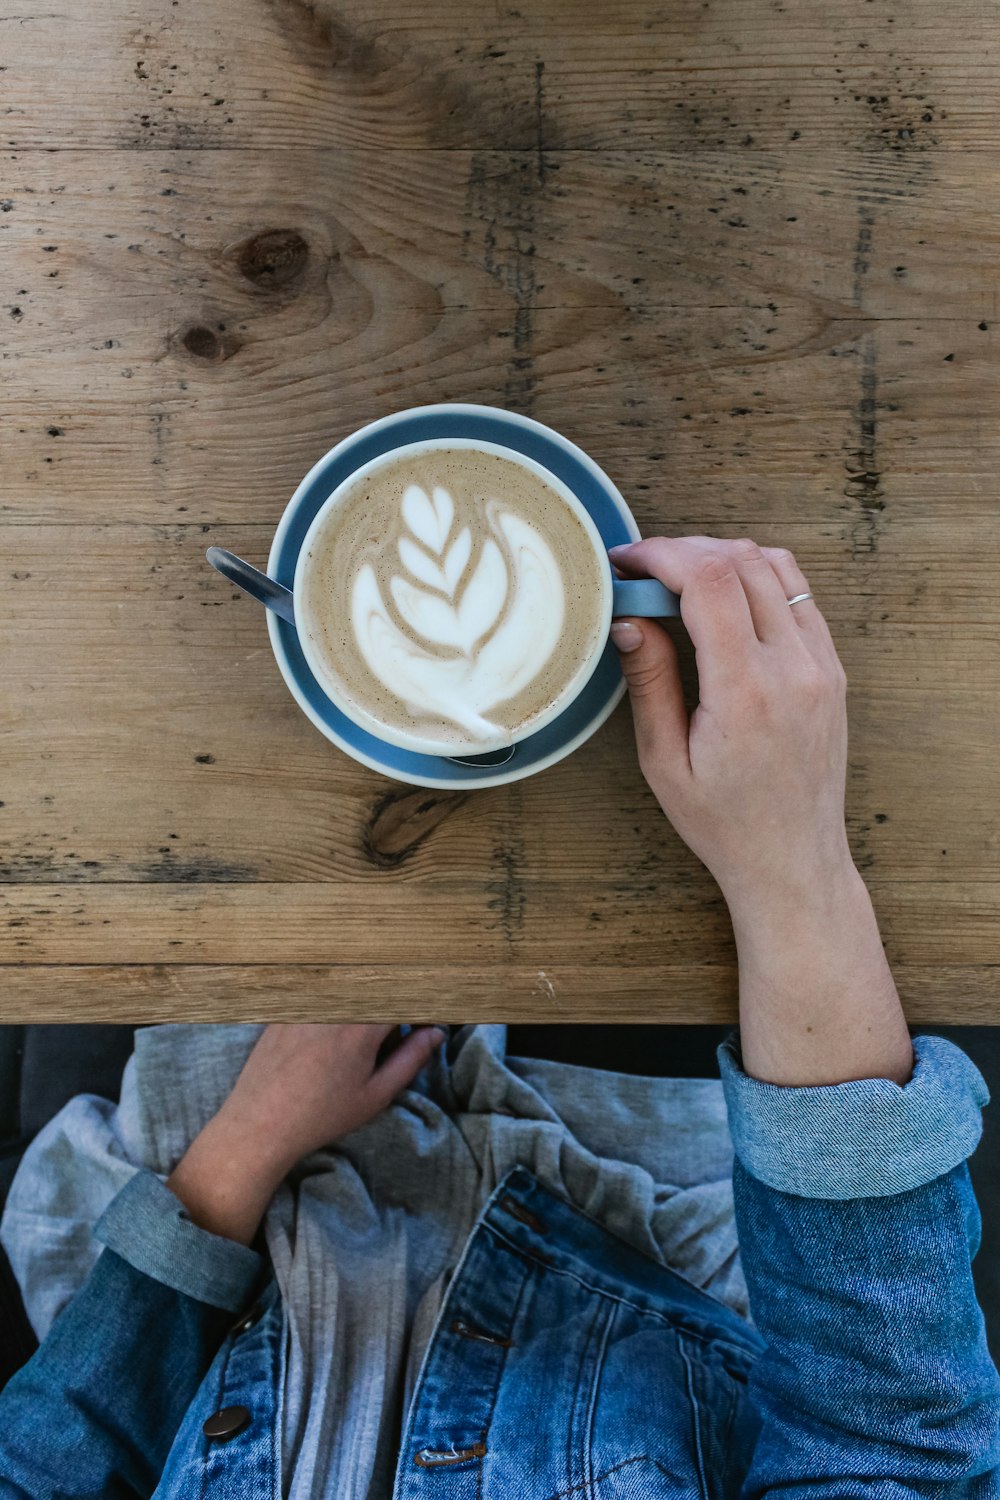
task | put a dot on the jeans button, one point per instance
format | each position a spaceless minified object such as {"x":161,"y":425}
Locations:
{"x":225,"y":1424}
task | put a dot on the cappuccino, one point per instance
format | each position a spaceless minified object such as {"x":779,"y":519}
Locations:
{"x":452,"y":597}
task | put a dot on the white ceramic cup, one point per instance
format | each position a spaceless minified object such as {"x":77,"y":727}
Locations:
{"x":411,"y":739}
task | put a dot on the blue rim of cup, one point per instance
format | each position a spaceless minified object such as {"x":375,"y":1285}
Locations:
{"x":579,"y":720}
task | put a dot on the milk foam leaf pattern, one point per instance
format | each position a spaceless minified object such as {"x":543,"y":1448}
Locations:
{"x":428,"y":518}
{"x":437,"y":575}
{"x":422,"y":567}
{"x":454,"y":623}
{"x":457,"y":557}
{"x":498,"y":634}
{"x":459,"y":626}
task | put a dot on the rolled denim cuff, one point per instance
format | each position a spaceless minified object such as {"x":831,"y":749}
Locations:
{"x":148,"y":1227}
{"x":865,"y":1139}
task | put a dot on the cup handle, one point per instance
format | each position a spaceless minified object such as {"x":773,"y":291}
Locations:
{"x":644,"y":597}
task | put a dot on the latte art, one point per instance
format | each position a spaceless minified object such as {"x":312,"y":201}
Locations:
{"x":454,"y":595}
{"x":498,"y":626}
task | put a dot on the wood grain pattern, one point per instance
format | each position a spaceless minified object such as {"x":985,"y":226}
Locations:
{"x":678,"y":993}
{"x":692,"y":74}
{"x":743,"y":251}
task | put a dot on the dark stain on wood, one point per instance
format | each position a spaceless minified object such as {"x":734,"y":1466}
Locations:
{"x":196,"y":870}
{"x":422,"y":82}
{"x":400,"y":821}
{"x":507,"y":895}
{"x":540,"y":120}
{"x":864,"y":481}
{"x":864,"y":476}
{"x":273,"y":259}
{"x":51,"y":868}
{"x":324,"y":41}
{"x":504,"y":200}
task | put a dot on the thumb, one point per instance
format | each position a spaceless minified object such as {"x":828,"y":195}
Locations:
{"x":402,"y":1065}
{"x":649,"y":662}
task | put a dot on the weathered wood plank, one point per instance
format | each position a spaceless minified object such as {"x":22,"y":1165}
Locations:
{"x":150,"y":377}
{"x":923,"y":922}
{"x":125,"y":230}
{"x":330,"y":922}
{"x":682,"y":413}
{"x":693,"y":993}
{"x":692,"y":75}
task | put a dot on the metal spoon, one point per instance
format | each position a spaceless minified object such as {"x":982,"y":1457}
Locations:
{"x":274,"y":595}
{"x":252,"y":581}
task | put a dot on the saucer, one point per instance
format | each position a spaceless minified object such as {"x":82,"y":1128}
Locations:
{"x":589,"y":483}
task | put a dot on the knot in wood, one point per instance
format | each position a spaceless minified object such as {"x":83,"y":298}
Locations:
{"x":206,"y":343}
{"x":399,"y":823}
{"x":273,"y":258}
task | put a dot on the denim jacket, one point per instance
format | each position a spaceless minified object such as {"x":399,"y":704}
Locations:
{"x":566,"y":1363}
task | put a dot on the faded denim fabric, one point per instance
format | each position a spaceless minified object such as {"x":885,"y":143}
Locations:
{"x":818,"y":1141}
{"x":150,"y":1229}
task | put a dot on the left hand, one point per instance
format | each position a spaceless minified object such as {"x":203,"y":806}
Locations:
{"x":305,"y":1086}
{"x":302,"y":1087}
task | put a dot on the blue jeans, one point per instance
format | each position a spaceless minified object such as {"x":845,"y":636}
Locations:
{"x":566,"y":1363}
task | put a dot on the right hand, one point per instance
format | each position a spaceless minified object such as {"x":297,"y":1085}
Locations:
{"x":753,"y":780}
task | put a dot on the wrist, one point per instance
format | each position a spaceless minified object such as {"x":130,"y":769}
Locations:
{"x":818,"y":1003}
{"x":227,"y":1178}
{"x":768,"y":912}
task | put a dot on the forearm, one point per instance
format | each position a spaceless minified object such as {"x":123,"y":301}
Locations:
{"x":227,"y":1178}
{"x":818,"y":1003}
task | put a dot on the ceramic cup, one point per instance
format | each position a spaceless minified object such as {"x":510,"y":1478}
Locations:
{"x":595,"y":690}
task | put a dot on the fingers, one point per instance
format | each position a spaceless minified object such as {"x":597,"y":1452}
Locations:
{"x":806,"y":616}
{"x":649,"y":663}
{"x":404,"y":1063}
{"x":733,"y":593}
{"x":714,"y":605}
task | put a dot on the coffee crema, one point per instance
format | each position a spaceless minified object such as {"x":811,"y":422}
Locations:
{"x":452,"y":596}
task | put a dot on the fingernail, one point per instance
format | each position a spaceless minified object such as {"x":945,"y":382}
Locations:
{"x":440,"y":1035}
{"x":622,"y":547}
{"x":626,"y":637}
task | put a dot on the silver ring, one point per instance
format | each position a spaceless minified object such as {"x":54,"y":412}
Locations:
{"x":799,"y":597}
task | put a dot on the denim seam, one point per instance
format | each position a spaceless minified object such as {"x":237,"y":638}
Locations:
{"x":425,"y":1362}
{"x":639,"y":1458}
{"x":596,"y":1320}
{"x":710,"y":1341}
{"x":735,"y":1397}
{"x":695,"y":1418}
{"x":609,"y":1322}
{"x":279,"y":1403}
{"x":206,"y":1462}
{"x":496,"y":1391}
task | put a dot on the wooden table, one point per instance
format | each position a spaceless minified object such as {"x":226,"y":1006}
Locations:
{"x":743,"y":251}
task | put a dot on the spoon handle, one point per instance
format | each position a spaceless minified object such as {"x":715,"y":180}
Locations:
{"x":253,"y":582}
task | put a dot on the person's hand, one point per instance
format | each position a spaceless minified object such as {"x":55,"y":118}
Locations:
{"x":305,"y":1086}
{"x":302,"y":1087}
{"x":753,"y":779}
